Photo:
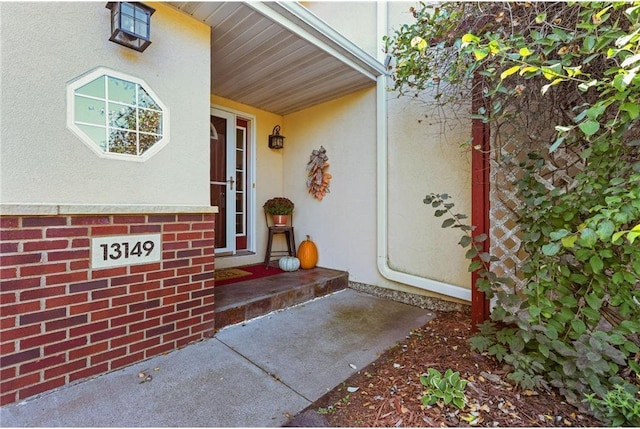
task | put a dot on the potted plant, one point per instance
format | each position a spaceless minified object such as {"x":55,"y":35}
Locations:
{"x":280,"y":208}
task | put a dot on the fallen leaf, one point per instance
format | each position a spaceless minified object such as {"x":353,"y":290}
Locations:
{"x":429,"y":421}
{"x":491,"y":377}
{"x":352,"y":389}
{"x":470,"y":418}
{"x":353,"y":366}
{"x":147,"y":379}
{"x":396,"y":404}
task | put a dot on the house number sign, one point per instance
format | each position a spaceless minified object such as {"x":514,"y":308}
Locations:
{"x":116,"y":251}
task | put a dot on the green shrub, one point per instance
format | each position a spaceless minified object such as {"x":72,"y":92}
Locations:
{"x":620,"y":406}
{"x":447,"y":388}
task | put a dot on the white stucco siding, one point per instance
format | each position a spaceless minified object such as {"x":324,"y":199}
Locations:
{"x":420,"y":159}
{"x":354,"y":20}
{"x":44,"y":162}
{"x":425,"y":156}
{"x":343,"y":224}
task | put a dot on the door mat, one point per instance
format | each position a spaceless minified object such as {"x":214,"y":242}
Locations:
{"x":229,"y":273}
{"x":252,"y":272}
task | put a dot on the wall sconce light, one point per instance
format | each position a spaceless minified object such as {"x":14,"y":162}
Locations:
{"x":130,"y":24}
{"x":276,"y":141}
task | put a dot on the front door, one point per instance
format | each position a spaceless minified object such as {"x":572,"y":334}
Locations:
{"x":228,"y":178}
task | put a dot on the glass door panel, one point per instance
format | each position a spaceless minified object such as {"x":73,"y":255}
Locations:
{"x":240,"y":191}
{"x":222,"y":178}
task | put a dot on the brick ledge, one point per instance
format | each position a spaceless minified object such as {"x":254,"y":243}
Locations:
{"x":77,"y":209}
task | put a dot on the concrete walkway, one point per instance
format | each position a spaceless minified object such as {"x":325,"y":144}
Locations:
{"x":252,"y":375}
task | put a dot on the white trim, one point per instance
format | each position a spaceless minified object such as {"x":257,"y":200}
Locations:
{"x":382,"y":191}
{"x":373,"y":67}
{"x":229,"y":194}
{"x":329,"y":32}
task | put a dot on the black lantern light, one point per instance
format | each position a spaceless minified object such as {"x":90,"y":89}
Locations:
{"x":276,"y":141}
{"x":131,"y":24}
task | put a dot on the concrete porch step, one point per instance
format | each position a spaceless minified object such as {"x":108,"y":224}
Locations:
{"x":245,"y":300}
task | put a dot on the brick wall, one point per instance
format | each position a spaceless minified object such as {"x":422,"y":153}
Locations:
{"x":61,"y":321}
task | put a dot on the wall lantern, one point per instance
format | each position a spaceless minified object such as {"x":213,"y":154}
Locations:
{"x":276,"y":141}
{"x":130,"y":24}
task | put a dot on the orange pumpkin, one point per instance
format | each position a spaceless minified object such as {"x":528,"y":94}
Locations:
{"x":308,"y":254}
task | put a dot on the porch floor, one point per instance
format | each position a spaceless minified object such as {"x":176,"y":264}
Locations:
{"x":244,"y":300}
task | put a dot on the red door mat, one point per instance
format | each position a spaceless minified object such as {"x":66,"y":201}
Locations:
{"x":227,"y":276}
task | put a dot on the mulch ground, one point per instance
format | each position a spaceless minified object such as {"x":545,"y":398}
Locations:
{"x":389,"y":392}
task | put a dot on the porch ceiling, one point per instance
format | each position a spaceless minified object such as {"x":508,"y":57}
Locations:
{"x":279,"y":57}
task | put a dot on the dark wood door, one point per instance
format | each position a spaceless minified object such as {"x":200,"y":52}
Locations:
{"x":218,"y":177}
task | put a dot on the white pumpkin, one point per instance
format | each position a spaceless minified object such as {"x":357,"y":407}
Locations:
{"x":289,"y":263}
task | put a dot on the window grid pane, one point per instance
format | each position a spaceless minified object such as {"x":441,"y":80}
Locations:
{"x":118,"y":115}
{"x":124,"y":142}
{"x":95,"y":88}
{"x":89,"y":111}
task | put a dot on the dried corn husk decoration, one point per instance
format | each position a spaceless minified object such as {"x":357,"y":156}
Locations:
{"x":318,"y":181}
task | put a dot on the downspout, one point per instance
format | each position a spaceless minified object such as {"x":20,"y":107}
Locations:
{"x":382,"y":189}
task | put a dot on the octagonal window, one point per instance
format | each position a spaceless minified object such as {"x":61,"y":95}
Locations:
{"x":117,"y":115}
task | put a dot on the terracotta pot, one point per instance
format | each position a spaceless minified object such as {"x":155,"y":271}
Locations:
{"x":280,"y":220}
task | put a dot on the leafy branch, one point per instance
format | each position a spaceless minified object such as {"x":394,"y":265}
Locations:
{"x":480,"y":259}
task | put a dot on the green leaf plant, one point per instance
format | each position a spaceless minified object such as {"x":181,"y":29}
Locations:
{"x":574,"y":324}
{"x":620,"y":406}
{"x":447,"y":388}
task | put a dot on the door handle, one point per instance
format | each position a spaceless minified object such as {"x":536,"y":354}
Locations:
{"x":231,"y":182}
